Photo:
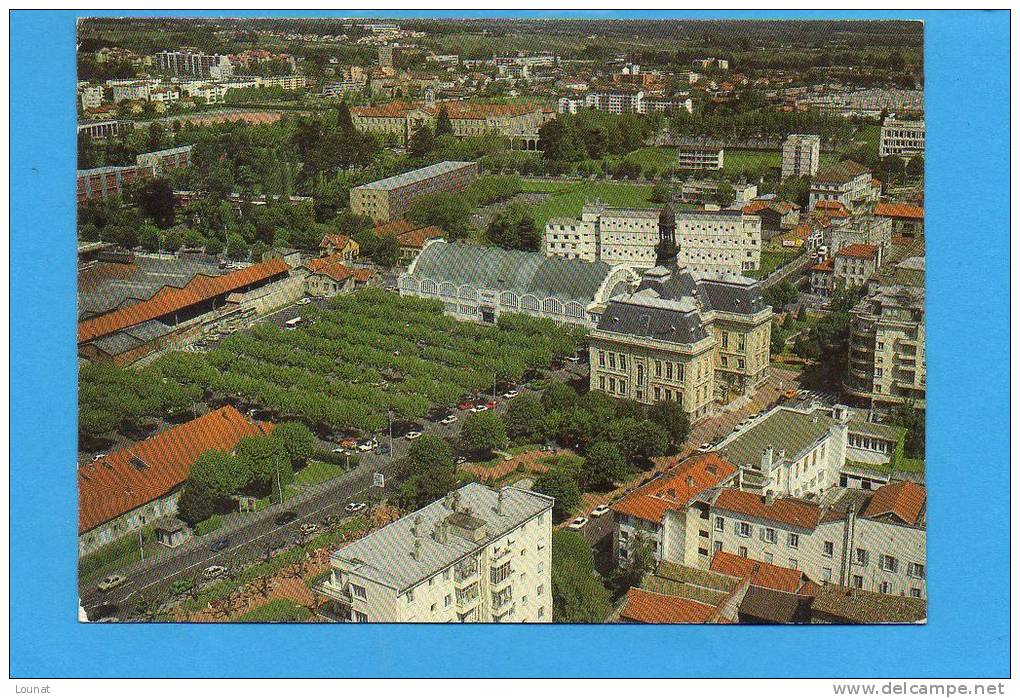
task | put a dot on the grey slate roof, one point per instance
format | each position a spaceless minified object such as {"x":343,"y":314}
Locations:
{"x":646,"y":315}
{"x":385,"y":556}
{"x":724,"y":292}
{"x":510,"y":270}
{"x":401,"y":180}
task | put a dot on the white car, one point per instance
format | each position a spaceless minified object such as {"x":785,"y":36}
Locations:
{"x":578,"y":523}
{"x":448,"y":419}
{"x":308,"y":528}
{"x":479,"y":408}
{"x":304,"y":301}
{"x":510,"y":394}
{"x":111,"y":582}
{"x":704,"y":448}
{"x":573,"y":359}
{"x":354,"y":507}
{"x":99,"y":456}
{"x":412,"y":435}
{"x":367,"y":445}
{"x":600,"y":510}
{"x":214,"y":571}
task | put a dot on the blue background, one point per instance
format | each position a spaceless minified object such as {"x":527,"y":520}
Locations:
{"x":967,"y":201}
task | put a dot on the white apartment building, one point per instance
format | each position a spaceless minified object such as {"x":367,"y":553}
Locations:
{"x":801,"y":153}
{"x":699,"y":191}
{"x":194,"y":63}
{"x":91,"y":96}
{"x":616,"y":102}
{"x":568,"y":105}
{"x":133,"y":91}
{"x":667,"y":105}
{"x":617,"y":236}
{"x":860,"y":230}
{"x":901,"y":137}
{"x":854,"y":538}
{"x":697,"y":157}
{"x":166,"y":95}
{"x":725,"y":241}
{"x":846,"y":182}
{"x":479,"y":555}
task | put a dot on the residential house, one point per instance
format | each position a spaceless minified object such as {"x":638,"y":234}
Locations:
{"x":336,"y":245}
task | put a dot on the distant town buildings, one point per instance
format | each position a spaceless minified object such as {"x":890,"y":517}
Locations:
{"x":801,"y":154}
{"x":194,"y":63}
{"x":390,"y":198}
{"x":901,"y":137}
{"x":479,"y":555}
{"x":402,"y":119}
{"x":105,"y":182}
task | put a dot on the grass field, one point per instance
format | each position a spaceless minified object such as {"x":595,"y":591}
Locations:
{"x":316,"y":472}
{"x":772,"y":259}
{"x":751,"y":163}
{"x":568,"y":197}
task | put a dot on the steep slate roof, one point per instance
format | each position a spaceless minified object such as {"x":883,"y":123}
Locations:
{"x":673,"y":490}
{"x":904,"y":500}
{"x":650,"y":607}
{"x":645,"y":315}
{"x":510,"y":270}
{"x":724,"y":292}
{"x":787,"y":510}
{"x":170,"y":299}
{"x":131,"y":476}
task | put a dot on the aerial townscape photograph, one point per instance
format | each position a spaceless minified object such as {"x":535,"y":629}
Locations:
{"x":425,"y":320}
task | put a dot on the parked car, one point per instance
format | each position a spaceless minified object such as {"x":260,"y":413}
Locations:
{"x":600,"y":510}
{"x":214,"y":571}
{"x":304,"y":301}
{"x":460,"y":459}
{"x":111,"y":581}
{"x":465,"y":405}
{"x":547,"y":448}
{"x":342,"y":451}
{"x":285,"y":518}
{"x":355,"y":507}
{"x":510,"y":394}
{"x":448,"y":419}
{"x":491,"y":404}
{"x":367,"y":445}
{"x":704,"y":448}
{"x":99,"y":456}
{"x":221,"y":544}
{"x":309,"y":528}
{"x":412,"y":435}
{"x":790,"y":394}
{"x":573,"y":359}
{"x":578,"y":523}
{"x":480,"y":407}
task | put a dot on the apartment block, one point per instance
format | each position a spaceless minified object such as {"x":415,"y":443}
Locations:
{"x":91,"y":96}
{"x":901,"y":137}
{"x":696,"y":157}
{"x":887,"y":347}
{"x":801,"y":154}
{"x":847,"y":182}
{"x":702,"y":191}
{"x":390,"y":198}
{"x":855,"y":264}
{"x":617,"y":236}
{"x":194,"y":63}
{"x":479,"y":555}
{"x":726,"y":241}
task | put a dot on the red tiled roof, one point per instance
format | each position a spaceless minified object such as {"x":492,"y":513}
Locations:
{"x":170,"y":299}
{"x":417,"y":238}
{"x":859,"y":251}
{"x":823,"y":266}
{"x":396,"y":227}
{"x":756,"y":206}
{"x":905,"y":500}
{"x":760,"y":574}
{"x":834,"y":209}
{"x":899,"y":211}
{"x":676,"y":488}
{"x":787,"y":511}
{"x":650,"y":607}
{"x":114,"y":485}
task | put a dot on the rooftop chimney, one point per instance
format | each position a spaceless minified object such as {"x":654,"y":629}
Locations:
{"x":499,"y":502}
{"x":770,"y":497}
{"x":766,"y":459}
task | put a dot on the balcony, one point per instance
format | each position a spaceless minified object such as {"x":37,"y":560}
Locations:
{"x":334,"y":591}
{"x":465,"y":574}
{"x":500,"y":555}
{"x":467,"y":598}
{"x":499,"y":602}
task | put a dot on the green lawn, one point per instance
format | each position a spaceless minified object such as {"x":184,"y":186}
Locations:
{"x":568,"y":197}
{"x":750,"y":163}
{"x":316,"y":472}
{"x":113,"y":556}
{"x":277,"y":611}
{"x":772,"y":259}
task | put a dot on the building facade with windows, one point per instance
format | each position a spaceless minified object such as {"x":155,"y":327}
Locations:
{"x":727,"y":241}
{"x":390,"y":198}
{"x":682,"y":337}
{"x":479,"y":555}
{"x":904,"y":137}
{"x":801,"y":155}
{"x":887,"y":364}
{"x":846,"y":182}
{"x":697,"y":157}
{"x":194,"y":63}
{"x":617,"y":236}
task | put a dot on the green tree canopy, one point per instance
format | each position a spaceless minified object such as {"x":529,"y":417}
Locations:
{"x":672,"y":418}
{"x":219,"y":472}
{"x":444,"y":127}
{"x":421,"y":142}
{"x":578,"y":593}
{"x":603,"y":466}
{"x":559,"y":485}
{"x":296,"y":441}
{"x":524,"y":416}
{"x":195,"y":503}
{"x":483,"y":432}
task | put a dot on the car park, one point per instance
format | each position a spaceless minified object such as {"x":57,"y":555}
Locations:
{"x":221,"y":544}
{"x":412,"y":435}
{"x":448,"y":419}
{"x":285,"y":518}
{"x":578,"y":523}
{"x":309,"y":528}
{"x":355,"y":507}
{"x":600,"y":510}
{"x":214,"y":571}
{"x":111,"y":581}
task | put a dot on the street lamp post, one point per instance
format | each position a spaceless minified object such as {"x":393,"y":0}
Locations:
{"x":278,"y":487}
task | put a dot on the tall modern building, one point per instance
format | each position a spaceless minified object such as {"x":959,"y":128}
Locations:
{"x":801,"y":153}
{"x":902,"y":137}
{"x":727,"y":241}
{"x":479,"y":555}
{"x":194,"y":63}
{"x":390,"y":198}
